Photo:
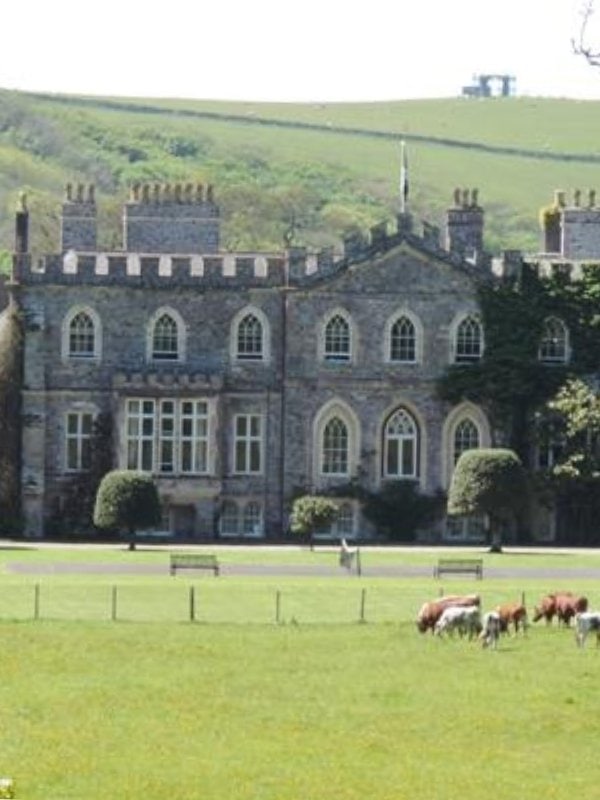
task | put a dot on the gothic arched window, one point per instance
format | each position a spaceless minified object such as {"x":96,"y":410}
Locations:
{"x":469,"y":340}
{"x":466,"y":437}
{"x":335,"y":448}
{"x":400,"y":446}
{"x":554,"y":343}
{"x":337,"y":343}
{"x":165,"y":339}
{"x":250,"y":339}
{"x":82,"y":336}
{"x":403,"y":341}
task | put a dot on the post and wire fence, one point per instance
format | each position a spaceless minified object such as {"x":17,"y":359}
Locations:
{"x":201,"y":602}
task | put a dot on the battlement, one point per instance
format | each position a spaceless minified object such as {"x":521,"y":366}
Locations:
{"x":171,"y":194}
{"x":171,"y":238}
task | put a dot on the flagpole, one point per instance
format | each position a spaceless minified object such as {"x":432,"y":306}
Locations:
{"x":403,"y":177}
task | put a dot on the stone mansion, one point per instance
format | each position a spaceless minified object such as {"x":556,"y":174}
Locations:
{"x":241,"y":379}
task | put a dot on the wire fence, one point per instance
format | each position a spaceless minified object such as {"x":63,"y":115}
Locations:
{"x":205,"y":602}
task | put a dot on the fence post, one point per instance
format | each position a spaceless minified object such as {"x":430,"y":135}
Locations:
{"x":36,"y":601}
{"x":358,"y":564}
{"x":113,"y":610}
{"x":278,"y":607}
{"x":192,"y":604}
{"x":363,"y":602}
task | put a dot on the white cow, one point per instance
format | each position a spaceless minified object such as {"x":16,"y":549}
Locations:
{"x":492,"y":625}
{"x":586,"y":622}
{"x":464,"y":619}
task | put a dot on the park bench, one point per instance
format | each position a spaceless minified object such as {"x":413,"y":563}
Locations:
{"x":193,"y":561}
{"x":459,"y":566}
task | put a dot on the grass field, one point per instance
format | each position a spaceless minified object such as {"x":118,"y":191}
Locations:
{"x":316,"y":707}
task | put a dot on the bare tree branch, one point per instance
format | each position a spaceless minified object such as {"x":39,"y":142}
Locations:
{"x":580,"y":45}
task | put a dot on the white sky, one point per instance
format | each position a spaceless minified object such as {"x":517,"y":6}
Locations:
{"x":284,"y":50}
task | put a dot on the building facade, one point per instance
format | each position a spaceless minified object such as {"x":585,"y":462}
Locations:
{"x":242,"y":379}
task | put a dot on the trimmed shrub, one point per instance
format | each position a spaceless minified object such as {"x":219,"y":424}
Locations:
{"x":310,"y":513}
{"x":127,"y":501}
{"x":490,"y":481}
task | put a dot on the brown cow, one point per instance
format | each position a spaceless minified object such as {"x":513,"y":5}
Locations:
{"x":545,"y":609}
{"x":514,"y":614}
{"x":567,"y":605}
{"x":431,"y":611}
{"x":563,"y":605}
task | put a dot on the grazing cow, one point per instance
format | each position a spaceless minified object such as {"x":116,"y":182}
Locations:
{"x":464,"y":619}
{"x":431,"y":611}
{"x":568,"y":605}
{"x":492,"y":625}
{"x":563,"y":605}
{"x":514,"y":614}
{"x":586,"y":622}
{"x":545,"y":609}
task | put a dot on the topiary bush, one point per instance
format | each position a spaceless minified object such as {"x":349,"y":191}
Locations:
{"x":489,"y":481}
{"x":127,"y":501}
{"x":310,"y":513}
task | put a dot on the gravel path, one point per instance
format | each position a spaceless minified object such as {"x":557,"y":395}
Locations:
{"x":291,"y":570}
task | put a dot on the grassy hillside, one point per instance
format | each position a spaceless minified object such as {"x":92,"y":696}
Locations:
{"x":322,"y":168}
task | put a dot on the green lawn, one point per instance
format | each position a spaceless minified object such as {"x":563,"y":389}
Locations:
{"x":318,"y":707}
{"x":293,"y":711}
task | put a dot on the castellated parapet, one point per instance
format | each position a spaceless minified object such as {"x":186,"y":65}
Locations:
{"x":176,"y":233}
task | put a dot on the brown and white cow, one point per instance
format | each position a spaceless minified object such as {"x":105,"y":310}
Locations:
{"x":512,"y":614}
{"x":464,"y":619}
{"x":432,"y":610}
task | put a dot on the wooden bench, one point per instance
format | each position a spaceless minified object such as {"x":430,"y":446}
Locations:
{"x":193,"y":561}
{"x":459,"y":566}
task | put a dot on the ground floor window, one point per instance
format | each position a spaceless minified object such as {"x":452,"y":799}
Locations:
{"x":241,"y":518}
{"x":465,"y":529}
{"x":343,"y":526}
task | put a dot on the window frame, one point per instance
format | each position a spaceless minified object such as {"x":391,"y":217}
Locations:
{"x":248,"y":446}
{"x":89,"y":354}
{"x":458,"y":451}
{"x":331,"y":351}
{"x":238,"y":514}
{"x":81,"y":438}
{"x":550,"y":342}
{"x":464,"y":351}
{"x":406,"y":317}
{"x":333,"y":453}
{"x":175,"y":355}
{"x":399,"y":441}
{"x":168,"y":436}
{"x":262,"y":357}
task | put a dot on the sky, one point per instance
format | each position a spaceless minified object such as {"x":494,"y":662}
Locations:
{"x":285,"y":50}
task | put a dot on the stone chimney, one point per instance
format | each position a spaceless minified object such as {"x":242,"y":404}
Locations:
{"x":22,"y":227}
{"x":78,"y":222}
{"x":464,"y":227}
{"x":579,"y":226}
